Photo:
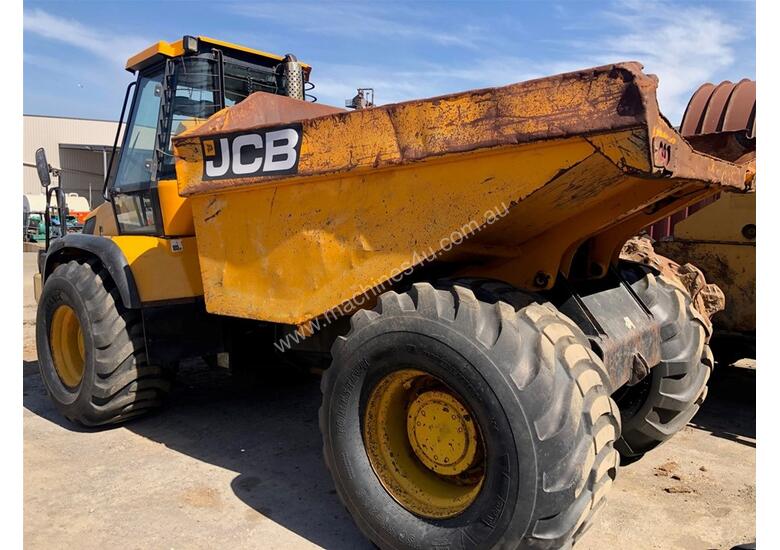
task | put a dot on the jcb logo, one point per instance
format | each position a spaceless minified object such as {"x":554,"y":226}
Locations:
{"x":263,"y":153}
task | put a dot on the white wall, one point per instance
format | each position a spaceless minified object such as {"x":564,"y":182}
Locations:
{"x":82,"y":172}
{"x":50,"y":132}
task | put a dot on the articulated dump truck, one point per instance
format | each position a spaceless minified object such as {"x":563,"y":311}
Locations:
{"x":455,"y":260}
{"x":718,"y":234}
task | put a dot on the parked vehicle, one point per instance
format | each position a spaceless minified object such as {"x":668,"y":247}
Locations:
{"x":78,"y":207}
{"x":718,"y":235}
{"x":454,"y":259}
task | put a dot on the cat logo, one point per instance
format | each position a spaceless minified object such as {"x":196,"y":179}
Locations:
{"x":266,"y":152}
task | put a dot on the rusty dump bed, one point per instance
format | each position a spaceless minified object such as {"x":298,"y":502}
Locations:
{"x":299,"y":208}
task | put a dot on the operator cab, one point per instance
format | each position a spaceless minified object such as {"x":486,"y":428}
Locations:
{"x":179,"y":85}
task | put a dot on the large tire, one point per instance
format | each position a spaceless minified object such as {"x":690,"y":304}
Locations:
{"x":539,"y":395}
{"x":116,"y":382}
{"x":665,"y":401}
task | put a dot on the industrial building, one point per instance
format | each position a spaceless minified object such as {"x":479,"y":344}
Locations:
{"x":80,"y":148}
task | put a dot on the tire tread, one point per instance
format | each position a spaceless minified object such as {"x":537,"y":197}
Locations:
{"x":124,"y":383}
{"x":678,"y":385}
{"x":577,"y":422}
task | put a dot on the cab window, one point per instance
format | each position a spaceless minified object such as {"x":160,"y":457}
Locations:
{"x":135,"y":213}
{"x":242,"y":79}
{"x":196,"y":98}
{"x":138,"y":149}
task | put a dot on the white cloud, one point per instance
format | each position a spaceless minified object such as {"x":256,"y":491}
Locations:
{"x":51,"y":65}
{"x":113,"y":47}
{"x":365,"y":22}
{"x":337,"y":82}
{"x":684,"y":44}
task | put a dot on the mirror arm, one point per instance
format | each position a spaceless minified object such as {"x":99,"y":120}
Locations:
{"x":62,"y":209}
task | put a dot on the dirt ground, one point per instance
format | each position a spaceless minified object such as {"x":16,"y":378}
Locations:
{"x":220,"y":467}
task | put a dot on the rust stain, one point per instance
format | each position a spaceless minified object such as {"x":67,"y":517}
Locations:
{"x":708,"y":298}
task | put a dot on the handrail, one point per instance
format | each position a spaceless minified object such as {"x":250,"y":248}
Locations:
{"x":116,"y":138}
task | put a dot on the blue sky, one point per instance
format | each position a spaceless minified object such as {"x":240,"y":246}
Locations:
{"x":74,"y":51}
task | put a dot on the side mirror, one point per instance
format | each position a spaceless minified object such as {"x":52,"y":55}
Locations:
{"x":43,"y":167}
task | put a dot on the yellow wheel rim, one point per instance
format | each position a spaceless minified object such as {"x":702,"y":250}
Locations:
{"x":67,"y":346}
{"x":423,"y":444}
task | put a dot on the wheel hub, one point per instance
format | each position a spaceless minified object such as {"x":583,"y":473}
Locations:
{"x":442,"y":433}
{"x":67,"y":346}
{"x":424,"y":445}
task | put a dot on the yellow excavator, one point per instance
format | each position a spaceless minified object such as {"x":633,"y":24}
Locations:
{"x":455,"y":260}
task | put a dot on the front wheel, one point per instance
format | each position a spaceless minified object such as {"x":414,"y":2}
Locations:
{"x":91,"y":350}
{"x":454,"y":422}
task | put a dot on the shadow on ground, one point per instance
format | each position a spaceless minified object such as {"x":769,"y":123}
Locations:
{"x":730,"y":409}
{"x":269,"y":436}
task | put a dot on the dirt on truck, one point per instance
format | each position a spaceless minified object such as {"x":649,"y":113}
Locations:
{"x":454,"y":262}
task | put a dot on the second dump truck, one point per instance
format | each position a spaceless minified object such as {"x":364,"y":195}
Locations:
{"x":718,"y":235}
{"x":455,"y":260}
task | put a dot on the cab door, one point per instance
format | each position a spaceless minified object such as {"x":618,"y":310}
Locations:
{"x":131,"y":192}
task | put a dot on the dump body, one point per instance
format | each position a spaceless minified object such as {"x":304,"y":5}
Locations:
{"x":518,"y":183}
{"x":720,"y":240}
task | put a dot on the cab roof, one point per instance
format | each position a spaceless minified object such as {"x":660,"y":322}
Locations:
{"x":161,"y":50}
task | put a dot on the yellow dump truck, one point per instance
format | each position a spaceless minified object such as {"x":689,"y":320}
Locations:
{"x":454,"y":259}
{"x":718,"y":235}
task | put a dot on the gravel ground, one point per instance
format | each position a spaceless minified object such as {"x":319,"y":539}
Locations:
{"x":223,"y":467}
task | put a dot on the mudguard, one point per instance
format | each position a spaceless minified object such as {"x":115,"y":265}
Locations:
{"x":76,"y":245}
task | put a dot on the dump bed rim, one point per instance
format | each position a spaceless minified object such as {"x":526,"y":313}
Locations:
{"x":628,"y":105}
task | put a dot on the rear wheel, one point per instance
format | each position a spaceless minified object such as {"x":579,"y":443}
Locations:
{"x":665,"y":401}
{"x":460,"y":422}
{"x":91,"y":351}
